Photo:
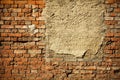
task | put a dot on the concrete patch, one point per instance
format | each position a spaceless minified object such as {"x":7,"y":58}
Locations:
{"x":74,"y":26}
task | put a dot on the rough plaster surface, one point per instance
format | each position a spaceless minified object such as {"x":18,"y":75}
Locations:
{"x":74,"y":26}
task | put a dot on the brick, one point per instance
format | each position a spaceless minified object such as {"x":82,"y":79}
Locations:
{"x":108,"y":51}
{"x":34,"y":51}
{"x":7,"y":6}
{"x":13,"y":22}
{"x":6,"y":51}
{"x":21,"y":6}
{"x":36,"y":14}
{"x":109,"y":34}
{"x":7,"y":14}
{"x":7,"y":38}
{"x":19,"y":18}
{"x":21,"y":26}
{"x":115,"y":5}
{"x":7,"y":43}
{"x":12,"y":55}
{"x":20,"y":51}
{"x":42,"y":22}
{"x":21,"y":2}
{"x":28,"y":6}
{"x":108,"y":22}
{"x":31,"y":2}
{"x":110,"y":1}
{"x":26,"y":55}
{"x":19,"y":55}
{"x":13,"y":31}
{"x":22,"y":30}
{"x":1,"y":5}
{"x":26,"y":10}
{"x":34,"y":6}
{"x":4,"y":34}
{"x":2,"y":71}
{"x":117,"y":18}
{"x":40,"y":2}
{"x":16,"y":10}
{"x":1,"y":22}
{"x":7,"y":18}
{"x":110,"y":9}
{"x":28,"y":14}
{"x":34,"y":71}
{"x":7,"y":2}
{"x":118,"y":1}
{"x":21,"y":22}
{"x":117,"y":10}
{"x":35,"y":22}
{"x":112,"y":14}
{"x":21,"y":61}
{"x":5,"y":55}
{"x":15,"y":71}
{"x":40,"y":18}
{"x":14,"y":6}
{"x":40,"y":43}
{"x":28,"y":22}
{"x":115,"y":39}
{"x":117,"y":34}
{"x":7,"y":22}
{"x":21,"y":14}
{"x":39,"y":34}
{"x":5,"y":10}
{"x":24,"y":18}
{"x":6,"y":47}
{"x":14,"y":34}
{"x":41,"y":6}
{"x":90,"y":68}
{"x":14,"y":14}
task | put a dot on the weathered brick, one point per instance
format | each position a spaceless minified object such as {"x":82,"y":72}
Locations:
{"x":110,"y":1}
{"x":40,"y":18}
{"x":34,"y":51}
{"x":40,"y":2}
{"x":109,"y":22}
{"x":21,"y":26}
{"x":15,"y":71}
{"x":21,"y":22}
{"x":21,"y":14}
{"x":7,"y":14}
{"x":28,"y":6}
{"x":19,"y":51}
{"x":31,"y":2}
{"x":21,"y":6}
{"x":4,"y":34}
{"x":15,"y":34}
{"x":7,"y":22}
{"x":14,"y":14}
{"x":117,"y":18}
{"x":24,"y":18}
{"x":35,"y":22}
{"x":28,"y":22}
{"x":7,"y":18}
{"x":6,"y":51}
{"x":113,"y":14}
{"x":117,"y":10}
{"x":118,"y":1}
{"x":33,"y":71}
{"x":21,"y":2}
{"x":7,"y":2}
{"x":1,"y":22}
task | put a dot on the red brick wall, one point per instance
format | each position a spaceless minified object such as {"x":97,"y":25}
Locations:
{"x":22,"y":46}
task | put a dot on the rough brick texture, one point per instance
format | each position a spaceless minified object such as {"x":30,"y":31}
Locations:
{"x":22,"y":46}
